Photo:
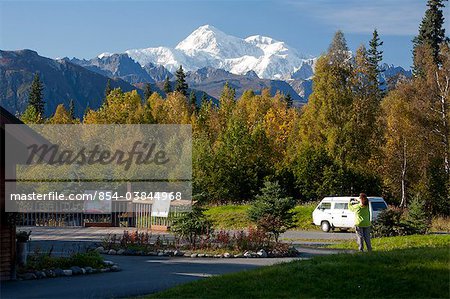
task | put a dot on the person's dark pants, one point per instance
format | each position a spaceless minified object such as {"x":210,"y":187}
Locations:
{"x":363,"y":235}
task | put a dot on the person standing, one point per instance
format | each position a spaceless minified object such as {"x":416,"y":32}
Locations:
{"x":362,"y":221}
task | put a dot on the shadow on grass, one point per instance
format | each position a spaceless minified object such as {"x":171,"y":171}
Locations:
{"x":416,"y":272}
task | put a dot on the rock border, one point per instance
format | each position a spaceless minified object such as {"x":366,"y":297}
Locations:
{"x":177,"y":253}
{"x":72,"y":271}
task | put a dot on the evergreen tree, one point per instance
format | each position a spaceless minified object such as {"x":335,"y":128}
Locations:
{"x":86,"y":111}
{"x":36,"y":98}
{"x":338,"y":52}
{"x":272,"y":210}
{"x":181,"y":85}
{"x":204,"y":98}
{"x":375,"y":56}
{"x":192,"y":100}
{"x":71,"y":109}
{"x":167,"y":87}
{"x":288,"y":100}
{"x":147,"y":91}
{"x":431,"y":30}
{"x":108,"y":88}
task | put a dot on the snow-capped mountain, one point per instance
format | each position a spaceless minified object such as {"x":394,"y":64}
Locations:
{"x":207,"y":46}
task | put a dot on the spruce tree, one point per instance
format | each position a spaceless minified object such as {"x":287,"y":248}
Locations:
{"x":288,"y":100}
{"x":36,"y":98}
{"x":375,"y":56}
{"x":72,"y":109}
{"x":147,"y":91}
{"x":193,"y":100}
{"x":204,"y":98}
{"x":167,"y":87}
{"x":338,"y":52}
{"x":181,"y":85}
{"x":86,"y":111}
{"x":431,"y":30}
{"x":108,"y":88}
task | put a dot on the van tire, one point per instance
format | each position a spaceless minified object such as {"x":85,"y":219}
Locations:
{"x":325,"y":225}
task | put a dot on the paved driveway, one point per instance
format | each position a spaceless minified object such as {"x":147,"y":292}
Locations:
{"x":140,"y":275}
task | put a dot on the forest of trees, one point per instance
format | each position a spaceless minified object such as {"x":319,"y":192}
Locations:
{"x":354,"y":135}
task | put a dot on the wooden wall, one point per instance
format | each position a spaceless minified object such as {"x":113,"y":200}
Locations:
{"x":7,"y":251}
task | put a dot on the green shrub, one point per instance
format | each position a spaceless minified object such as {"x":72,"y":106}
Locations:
{"x":417,"y":217}
{"x":271,"y":211}
{"x":89,"y":259}
{"x":396,"y":222}
{"x":192,"y":226}
{"x":40,"y":261}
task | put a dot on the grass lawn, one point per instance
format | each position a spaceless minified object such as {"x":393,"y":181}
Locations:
{"x":393,"y":243}
{"x":235,"y":216}
{"x":229,"y":216}
{"x":303,"y":216}
{"x":390,"y":271}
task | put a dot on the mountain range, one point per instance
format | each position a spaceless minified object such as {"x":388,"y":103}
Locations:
{"x":207,"y":46}
{"x":210,"y":57}
{"x":62,"y":82}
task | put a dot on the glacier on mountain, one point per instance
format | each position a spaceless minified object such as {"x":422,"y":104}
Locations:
{"x":207,"y":46}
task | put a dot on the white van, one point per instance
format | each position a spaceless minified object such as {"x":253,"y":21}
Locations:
{"x":333,"y":212}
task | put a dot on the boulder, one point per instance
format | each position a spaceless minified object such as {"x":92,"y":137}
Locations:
{"x":115,"y":268}
{"x":194,"y":255}
{"x":121,"y":251}
{"x":227,"y":255}
{"x":100,"y":249}
{"x":67,"y":272}
{"x":28,"y":276}
{"x":40,"y":274}
{"x":108,"y":263}
{"x":112,"y":252}
{"x":76,"y":270}
{"x":59,"y":272}
{"x":130,"y":252}
{"x":178,"y":253}
{"x":50,"y":273}
{"x":262,"y":253}
{"x":89,"y":270}
{"x":201,"y":255}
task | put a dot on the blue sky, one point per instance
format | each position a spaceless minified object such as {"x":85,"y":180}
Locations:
{"x":86,"y":28}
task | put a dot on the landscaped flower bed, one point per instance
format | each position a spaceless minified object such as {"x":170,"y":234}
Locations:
{"x":44,"y":265}
{"x":242,"y":244}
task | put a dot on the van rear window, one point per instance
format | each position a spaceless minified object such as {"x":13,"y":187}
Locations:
{"x":325,"y":206}
{"x":378,"y":206}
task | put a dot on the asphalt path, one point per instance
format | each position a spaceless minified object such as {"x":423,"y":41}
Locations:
{"x":141,"y":274}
